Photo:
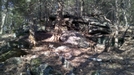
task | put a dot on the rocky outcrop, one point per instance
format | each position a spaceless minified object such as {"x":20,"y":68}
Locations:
{"x":91,"y":24}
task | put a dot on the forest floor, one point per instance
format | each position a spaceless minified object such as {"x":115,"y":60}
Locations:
{"x":84,"y":61}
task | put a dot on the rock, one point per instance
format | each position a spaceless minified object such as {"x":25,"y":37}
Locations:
{"x":14,"y":60}
{"x":74,"y":38}
{"x":64,"y":51}
{"x":43,"y":69}
{"x":13,"y":66}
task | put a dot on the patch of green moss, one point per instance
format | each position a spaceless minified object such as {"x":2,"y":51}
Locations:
{"x":95,"y":73}
{"x":12,"y":53}
{"x":36,"y":62}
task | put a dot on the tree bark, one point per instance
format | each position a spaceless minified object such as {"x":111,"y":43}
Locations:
{"x":116,"y":23}
{"x":57,"y":29}
{"x":124,"y":7}
{"x":3,"y":16}
{"x":59,"y":16}
{"x":82,"y":7}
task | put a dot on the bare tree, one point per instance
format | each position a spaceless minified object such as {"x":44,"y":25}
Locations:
{"x":59,"y":16}
{"x":116,"y":23}
{"x":124,"y":6}
{"x":3,"y":15}
{"x":82,"y":7}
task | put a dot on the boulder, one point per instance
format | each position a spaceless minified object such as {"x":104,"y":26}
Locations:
{"x":74,"y":38}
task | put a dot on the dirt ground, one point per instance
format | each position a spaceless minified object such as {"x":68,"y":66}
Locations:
{"x":86,"y":61}
{"x":115,"y":62}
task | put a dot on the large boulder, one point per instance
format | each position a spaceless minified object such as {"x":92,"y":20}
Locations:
{"x":74,"y":38}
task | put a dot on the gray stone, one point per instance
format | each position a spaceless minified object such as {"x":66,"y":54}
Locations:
{"x":74,"y":38}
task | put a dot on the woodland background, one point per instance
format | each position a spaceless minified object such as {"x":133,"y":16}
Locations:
{"x":30,"y":30}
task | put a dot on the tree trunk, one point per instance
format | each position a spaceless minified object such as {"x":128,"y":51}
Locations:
{"x":59,"y":16}
{"x":82,"y":7}
{"x":77,"y":6}
{"x":124,"y":7}
{"x":31,"y":23}
{"x":3,"y":16}
{"x":57,"y":29}
{"x":116,"y":23}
